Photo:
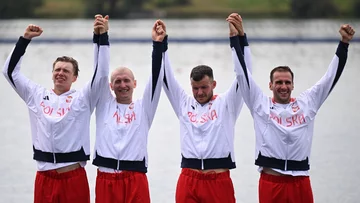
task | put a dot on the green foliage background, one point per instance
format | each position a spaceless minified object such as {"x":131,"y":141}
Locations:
{"x":14,"y":9}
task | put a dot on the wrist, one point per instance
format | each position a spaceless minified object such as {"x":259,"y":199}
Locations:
{"x":345,"y":40}
{"x":233,"y":34}
{"x":27,"y":37}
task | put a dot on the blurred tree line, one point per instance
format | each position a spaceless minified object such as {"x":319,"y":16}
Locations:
{"x":131,"y":8}
{"x":18,"y":8}
{"x":122,"y":8}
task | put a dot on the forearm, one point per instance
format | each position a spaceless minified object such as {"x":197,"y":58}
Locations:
{"x":321,"y":90}
{"x":247,"y":87}
{"x":14,"y":58}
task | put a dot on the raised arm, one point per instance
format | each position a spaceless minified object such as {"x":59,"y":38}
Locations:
{"x":153,"y":88}
{"x":250,"y":91}
{"x":172,"y":88}
{"x":234,"y":95}
{"x":23,"y":86}
{"x":237,"y":21}
{"x":99,"y":85}
{"x":318,"y":93}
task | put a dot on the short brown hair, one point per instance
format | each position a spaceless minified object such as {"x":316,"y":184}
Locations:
{"x":281,"y":69}
{"x":200,"y":71}
{"x":70,"y":60}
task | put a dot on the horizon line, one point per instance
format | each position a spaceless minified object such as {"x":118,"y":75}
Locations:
{"x":183,"y":40}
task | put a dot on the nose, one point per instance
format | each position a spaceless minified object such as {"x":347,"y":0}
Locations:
{"x":200,"y":92}
{"x":283,"y":85}
{"x":61,"y":72}
{"x":122,"y":84}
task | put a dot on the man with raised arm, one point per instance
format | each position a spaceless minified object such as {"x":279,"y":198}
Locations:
{"x":207,"y":124}
{"x":60,"y":118}
{"x":284,"y":126}
{"x":122,"y":128}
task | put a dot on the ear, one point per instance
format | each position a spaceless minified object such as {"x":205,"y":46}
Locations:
{"x":134,"y":83}
{"x":111,"y":86}
{"x":271,"y":86}
{"x":214,"y":84}
{"x":74,"y":78}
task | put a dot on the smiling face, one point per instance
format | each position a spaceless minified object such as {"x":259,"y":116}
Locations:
{"x":123,"y":84}
{"x":63,"y":76}
{"x":281,"y":85}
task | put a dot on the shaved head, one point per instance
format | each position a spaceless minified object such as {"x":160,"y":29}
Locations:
{"x":122,"y":70}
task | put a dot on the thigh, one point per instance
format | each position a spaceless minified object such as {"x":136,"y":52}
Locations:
{"x":137,"y":188}
{"x":185,"y":190}
{"x":108,"y":190}
{"x":272,"y":192}
{"x":75,"y":188}
{"x":301,"y":192}
{"x":217,"y":191}
{"x":44,"y":191}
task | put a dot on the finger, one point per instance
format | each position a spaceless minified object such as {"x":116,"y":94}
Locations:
{"x":98,"y":16}
{"x":231,"y":20}
{"x":160,"y":22}
{"x":238,"y":17}
{"x":234,"y":14}
{"x":99,"y":20}
{"x":107,"y":17}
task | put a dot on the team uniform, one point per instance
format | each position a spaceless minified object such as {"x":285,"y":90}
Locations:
{"x":59,"y":126}
{"x":121,"y":139}
{"x":284,"y":132}
{"x":207,"y":138}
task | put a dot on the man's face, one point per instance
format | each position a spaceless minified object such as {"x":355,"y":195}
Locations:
{"x":203,"y":89}
{"x":123,"y":84}
{"x":63,"y":75}
{"x":281,"y":86}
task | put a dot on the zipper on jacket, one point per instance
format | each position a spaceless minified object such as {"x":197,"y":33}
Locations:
{"x":117,"y":126}
{"x":201,"y":153}
{"x":52,"y":132}
{"x":286,"y":156}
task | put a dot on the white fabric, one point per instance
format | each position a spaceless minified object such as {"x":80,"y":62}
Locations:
{"x":206,"y":131}
{"x":59,"y":123}
{"x":285,"y":131}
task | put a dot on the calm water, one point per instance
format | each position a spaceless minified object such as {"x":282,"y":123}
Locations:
{"x":335,"y":162}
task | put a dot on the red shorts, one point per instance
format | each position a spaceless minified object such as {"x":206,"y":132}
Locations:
{"x":124,"y":187}
{"x":54,"y":187}
{"x":196,"y":187}
{"x":280,"y":189}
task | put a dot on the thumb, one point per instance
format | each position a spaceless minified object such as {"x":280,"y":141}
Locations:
{"x":107,"y":17}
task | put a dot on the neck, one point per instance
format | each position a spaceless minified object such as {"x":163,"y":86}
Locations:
{"x":121,"y":101}
{"x":60,"y":91}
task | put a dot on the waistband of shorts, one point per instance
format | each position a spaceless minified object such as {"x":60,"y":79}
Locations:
{"x":56,"y":175}
{"x":211,"y":175}
{"x":282,"y":179}
{"x":118,"y":176}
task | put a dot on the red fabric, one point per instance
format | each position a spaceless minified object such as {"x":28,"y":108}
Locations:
{"x":54,"y":187}
{"x":124,"y":187}
{"x":211,"y":187}
{"x":285,"y":189}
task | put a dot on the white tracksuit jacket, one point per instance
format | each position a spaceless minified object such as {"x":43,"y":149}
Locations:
{"x":59,"y":123}
{"x":284,"y":133}
{"x":122,"y":129}
{"x":206,"y":131}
